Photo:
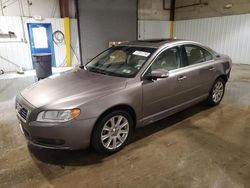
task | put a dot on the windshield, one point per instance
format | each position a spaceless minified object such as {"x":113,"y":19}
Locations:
{"x":122,"y":61}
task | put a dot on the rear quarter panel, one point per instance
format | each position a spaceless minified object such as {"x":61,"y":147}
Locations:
{"x":223,"y":65}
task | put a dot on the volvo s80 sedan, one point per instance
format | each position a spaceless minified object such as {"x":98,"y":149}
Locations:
{"x":125,"y":87}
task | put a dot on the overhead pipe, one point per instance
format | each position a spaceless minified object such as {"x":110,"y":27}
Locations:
{"x":1,"y":2}
{"x":185,"y":6}
{"x":21,"y":7}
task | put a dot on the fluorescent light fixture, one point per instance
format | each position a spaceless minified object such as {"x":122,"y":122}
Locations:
{"x":228,"y":6}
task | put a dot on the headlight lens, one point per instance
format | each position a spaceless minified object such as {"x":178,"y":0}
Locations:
{"x":58,"y":115}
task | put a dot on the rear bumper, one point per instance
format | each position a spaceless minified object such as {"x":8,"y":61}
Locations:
{"x":73,"y":135}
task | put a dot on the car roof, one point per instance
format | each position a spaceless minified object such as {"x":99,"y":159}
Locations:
{"x":152,"y":43}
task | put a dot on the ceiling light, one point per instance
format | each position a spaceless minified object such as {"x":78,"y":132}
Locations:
{"x":228,"y":6}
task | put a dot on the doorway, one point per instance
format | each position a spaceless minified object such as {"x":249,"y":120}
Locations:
{"x":41,"y":42}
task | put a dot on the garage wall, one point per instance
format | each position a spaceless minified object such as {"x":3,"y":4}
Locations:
{"x":214,"y":8}
{"x":102,"y":21}
{"x":152,"y":10}
{"x":229,"y":34}
{"x":150,"y":29}
{"x":152,"y":20}
{"x":44,"y":8}
{"x":16,"y":51}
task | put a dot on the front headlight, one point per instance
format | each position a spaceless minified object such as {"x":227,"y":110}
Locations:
{"x":58,"y":115}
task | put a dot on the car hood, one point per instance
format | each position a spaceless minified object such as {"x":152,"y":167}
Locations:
{"x":80,"y":85}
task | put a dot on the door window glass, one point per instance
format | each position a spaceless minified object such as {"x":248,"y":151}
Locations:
{"x":168,"y":60}
{"x":207,"y":55}
{"x":40,"y":37}
{"x":196,"y":54}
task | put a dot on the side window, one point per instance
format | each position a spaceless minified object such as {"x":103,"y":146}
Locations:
{"x":196,"y":54}
{"x":207,"y":55}
{"x":169,"y":60}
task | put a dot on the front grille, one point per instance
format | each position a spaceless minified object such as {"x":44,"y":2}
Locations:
{"x":22,"y":111}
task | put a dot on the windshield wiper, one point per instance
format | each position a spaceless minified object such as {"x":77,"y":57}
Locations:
{"x":96,"y":70}
{"x":101,"y":71}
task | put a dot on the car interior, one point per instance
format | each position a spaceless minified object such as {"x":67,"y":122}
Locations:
{"x":169,"y":60}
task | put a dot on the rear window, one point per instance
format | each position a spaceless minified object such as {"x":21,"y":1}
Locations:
{"x":196,"y":54}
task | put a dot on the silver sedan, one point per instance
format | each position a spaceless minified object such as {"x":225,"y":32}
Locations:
{"x":125,"y":87}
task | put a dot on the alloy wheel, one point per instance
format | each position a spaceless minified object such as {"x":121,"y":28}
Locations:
{"x":218,"y":91}
{"x":115,"y":132}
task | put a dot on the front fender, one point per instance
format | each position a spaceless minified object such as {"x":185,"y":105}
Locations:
{"x":130,"y":96}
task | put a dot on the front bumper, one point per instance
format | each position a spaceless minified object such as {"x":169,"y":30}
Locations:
{"x":72,"y":135}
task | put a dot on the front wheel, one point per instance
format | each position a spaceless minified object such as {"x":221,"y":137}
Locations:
{"x":112,"y":132}
{"x":217,"y":92}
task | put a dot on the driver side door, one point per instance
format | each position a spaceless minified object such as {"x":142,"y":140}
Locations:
{"x":163,"y":97}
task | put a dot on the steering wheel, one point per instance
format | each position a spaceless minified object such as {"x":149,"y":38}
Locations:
{"x":138,"y":66}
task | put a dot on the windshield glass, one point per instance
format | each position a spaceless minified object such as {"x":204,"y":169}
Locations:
{"x":122,"y":61}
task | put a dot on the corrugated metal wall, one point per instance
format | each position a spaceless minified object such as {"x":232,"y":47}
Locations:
{"x":150,"y":29}
{"x":16,"y":50}
{"x":228,"y":35}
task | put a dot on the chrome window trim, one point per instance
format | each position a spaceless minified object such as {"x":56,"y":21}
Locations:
{"x":192,"y":66}
{"x":178,"y":45}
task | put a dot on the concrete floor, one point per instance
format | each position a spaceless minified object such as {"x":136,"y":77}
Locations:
{"x":199,"y":147}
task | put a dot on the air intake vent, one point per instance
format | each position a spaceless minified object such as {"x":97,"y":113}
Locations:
{"x":22,"y":111}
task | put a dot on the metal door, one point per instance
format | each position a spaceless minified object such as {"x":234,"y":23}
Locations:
{"x":41,"y":43}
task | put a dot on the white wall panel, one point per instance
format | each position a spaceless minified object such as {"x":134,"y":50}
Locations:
{"x":13,"y":50}
{"x":228,"y":35}
{"x":44,"y":8}
{"x":17,"y":50}
{"x":150,"y":29}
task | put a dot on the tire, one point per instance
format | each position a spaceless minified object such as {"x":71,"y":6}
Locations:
{"x":112,"y":132}
{"x":217,"y":92}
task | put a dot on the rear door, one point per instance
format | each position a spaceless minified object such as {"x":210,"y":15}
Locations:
{"x":200,"y":60}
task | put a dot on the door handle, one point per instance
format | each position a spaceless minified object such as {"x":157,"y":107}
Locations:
{"x":211,"y":68}
{"x":181,"y":78}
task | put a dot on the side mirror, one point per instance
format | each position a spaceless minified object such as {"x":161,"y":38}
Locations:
{"x":81,"y":66}
{"x":157,"y":74}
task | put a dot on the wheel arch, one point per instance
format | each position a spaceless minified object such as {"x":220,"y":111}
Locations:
{"x":223,"y":77}
{"x":124,"y":107}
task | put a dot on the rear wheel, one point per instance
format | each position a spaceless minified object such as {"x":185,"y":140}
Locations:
{"x":217,"y":92}
{"x":112,"y":132}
